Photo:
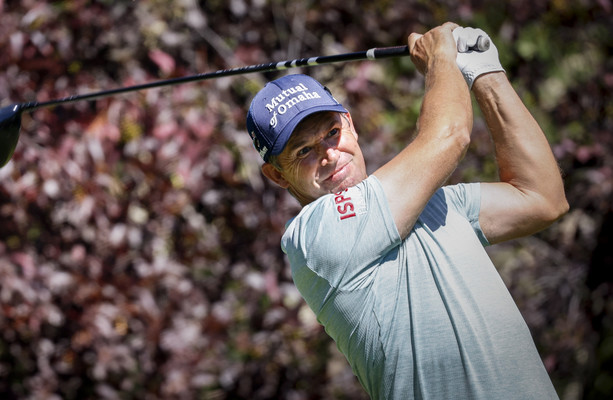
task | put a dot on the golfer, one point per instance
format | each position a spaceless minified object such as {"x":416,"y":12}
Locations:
{"x":393,"y":264}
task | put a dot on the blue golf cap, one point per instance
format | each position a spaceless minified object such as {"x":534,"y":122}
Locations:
{"x":277,"y":109}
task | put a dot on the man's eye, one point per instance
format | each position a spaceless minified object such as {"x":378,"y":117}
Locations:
{"x":333,"y":132}
{"x":303,"y":151}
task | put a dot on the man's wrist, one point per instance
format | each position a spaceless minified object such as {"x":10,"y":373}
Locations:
{"x":489,"y":81}
{"x":441,"y":61}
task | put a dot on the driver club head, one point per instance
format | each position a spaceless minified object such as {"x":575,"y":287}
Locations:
{"x":10,"y":123}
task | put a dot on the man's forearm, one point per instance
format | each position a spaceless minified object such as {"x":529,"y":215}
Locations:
{"x":446,"y":102}
{"x":524,"y":157}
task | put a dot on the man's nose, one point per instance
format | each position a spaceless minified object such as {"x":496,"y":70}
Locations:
{"x":328,"y":152}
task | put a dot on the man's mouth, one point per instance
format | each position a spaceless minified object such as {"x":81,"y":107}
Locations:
{"x":338,"y":174}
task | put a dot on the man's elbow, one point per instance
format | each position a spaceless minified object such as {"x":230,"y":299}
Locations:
{"x":562,"y":207}
{"x":554,"y":209}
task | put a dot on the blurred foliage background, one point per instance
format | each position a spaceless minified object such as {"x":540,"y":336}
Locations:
{"x":139,"y":243}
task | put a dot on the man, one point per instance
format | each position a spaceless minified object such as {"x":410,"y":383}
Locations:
{"x":393,"y":264}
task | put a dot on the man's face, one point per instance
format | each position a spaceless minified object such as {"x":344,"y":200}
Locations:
{"x":321,"y":157}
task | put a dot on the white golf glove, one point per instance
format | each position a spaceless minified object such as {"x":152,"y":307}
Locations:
{"x":472,"y":62}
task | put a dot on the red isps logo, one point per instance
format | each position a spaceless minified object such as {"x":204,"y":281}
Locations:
{"x":345,"y":206}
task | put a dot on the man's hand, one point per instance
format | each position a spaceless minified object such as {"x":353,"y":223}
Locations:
{"x":474,"y":63}
{"x":436,"y":43}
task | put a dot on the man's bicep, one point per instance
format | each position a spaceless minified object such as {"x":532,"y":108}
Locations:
{"x":507,"y":213}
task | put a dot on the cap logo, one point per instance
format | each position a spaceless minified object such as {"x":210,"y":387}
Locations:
{"x":263,"y":151}
{"x":274,"y":121}
{"x":256,"y":143}
{"x":287,"y":99}
{"x":277,"y":108}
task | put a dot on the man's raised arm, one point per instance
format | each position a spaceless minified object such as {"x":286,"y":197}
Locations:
{"x":530,"y":195}
{"x":410,"y":179}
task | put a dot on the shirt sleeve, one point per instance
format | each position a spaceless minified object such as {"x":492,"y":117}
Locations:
{"x":340,"y":237}
{"x":465,"y":198}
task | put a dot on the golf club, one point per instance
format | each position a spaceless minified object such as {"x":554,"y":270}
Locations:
{"x":10,"y":116}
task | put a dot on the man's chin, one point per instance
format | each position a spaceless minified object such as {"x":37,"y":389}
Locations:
{"x":345,"y":184}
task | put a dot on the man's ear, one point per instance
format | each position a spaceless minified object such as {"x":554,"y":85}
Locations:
{"x":274,"y":175}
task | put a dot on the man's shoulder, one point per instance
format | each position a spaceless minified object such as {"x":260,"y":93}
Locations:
{"x":341,"y":206}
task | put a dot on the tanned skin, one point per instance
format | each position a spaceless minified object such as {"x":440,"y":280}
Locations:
{"x":323,"y":155}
